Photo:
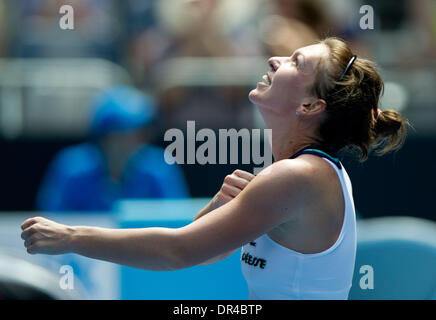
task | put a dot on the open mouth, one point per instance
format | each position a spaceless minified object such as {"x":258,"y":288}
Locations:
{"x":266,"y":79}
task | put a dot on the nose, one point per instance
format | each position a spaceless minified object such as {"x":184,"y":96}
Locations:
{"x":274,"y":63}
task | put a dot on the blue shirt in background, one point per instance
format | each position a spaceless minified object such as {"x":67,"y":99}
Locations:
{"x":78,"y":180}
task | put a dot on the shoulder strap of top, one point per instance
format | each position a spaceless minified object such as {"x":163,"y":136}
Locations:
{"x":319,"y":153}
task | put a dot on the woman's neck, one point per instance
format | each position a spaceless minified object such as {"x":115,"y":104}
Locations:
{"x":284,"y":149}
{"x":289,"y":139}
{"x":289,"y":133}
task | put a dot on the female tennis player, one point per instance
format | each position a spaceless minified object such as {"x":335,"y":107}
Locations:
{"x":295,"y":220}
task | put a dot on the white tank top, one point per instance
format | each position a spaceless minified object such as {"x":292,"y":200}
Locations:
{"x":273,"y":271}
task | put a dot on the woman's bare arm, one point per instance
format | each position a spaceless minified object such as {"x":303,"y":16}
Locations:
{"x":233,"y":185}
{"x":262,"y":205}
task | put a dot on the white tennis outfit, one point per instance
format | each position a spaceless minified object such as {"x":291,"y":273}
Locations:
{"x":276,"y":272}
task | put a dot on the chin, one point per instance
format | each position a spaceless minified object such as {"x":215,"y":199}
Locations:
{"x":253,"y":96}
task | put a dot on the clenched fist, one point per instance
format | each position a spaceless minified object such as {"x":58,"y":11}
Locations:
{"x":42,"y":235}
{"x":233,"y":184}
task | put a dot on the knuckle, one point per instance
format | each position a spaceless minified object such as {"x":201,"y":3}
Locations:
{"x":224,"y":198}
{"x":37,"y":219}
{"x":32,"y":221}
{"x":225,"y":195}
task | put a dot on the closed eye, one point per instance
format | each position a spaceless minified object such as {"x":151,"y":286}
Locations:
{"x":295,"y":59}
{"x":298,"y":60}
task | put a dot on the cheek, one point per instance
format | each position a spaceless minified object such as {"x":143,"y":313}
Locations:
{"x":284,"y":89}
{"x":292,"y":87}
{"x":287,"y":89}
{"x":287,"y":81}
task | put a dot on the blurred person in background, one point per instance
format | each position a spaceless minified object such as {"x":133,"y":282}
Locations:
{"x":292,"y":24}
{"x":407,"y":30}
{"x":117,"y":162}
{"x":196,"y":29}
{"x":96,"y":33}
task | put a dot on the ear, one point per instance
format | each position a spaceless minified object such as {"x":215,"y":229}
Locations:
{"x":312,"y":107}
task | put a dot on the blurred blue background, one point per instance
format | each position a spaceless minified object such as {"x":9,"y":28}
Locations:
{"x":83,"y":112}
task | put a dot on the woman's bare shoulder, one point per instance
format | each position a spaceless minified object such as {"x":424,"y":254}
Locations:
{"x":306,"y":177}
{"x":295,"y":171}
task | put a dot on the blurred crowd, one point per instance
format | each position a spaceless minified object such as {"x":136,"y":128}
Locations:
{"x":141,"y":34}
{"x":144,"y":36}
{"x":147,"y":37}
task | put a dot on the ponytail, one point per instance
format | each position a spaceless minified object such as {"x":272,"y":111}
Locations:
{"x":389,"y":131}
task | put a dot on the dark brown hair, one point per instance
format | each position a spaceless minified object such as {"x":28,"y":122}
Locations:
{"x":352,"y":117}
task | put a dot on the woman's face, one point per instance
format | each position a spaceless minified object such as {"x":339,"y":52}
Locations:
{"x":284,"y":87}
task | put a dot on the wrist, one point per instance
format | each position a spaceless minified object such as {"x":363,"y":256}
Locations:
{"x":214,"y":204}
{"x":208,"y":208}
{"x":73,"y":238}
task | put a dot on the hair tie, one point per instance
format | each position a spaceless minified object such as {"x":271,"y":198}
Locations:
{"x":350,"y":63}
{"x":378,"y":114}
